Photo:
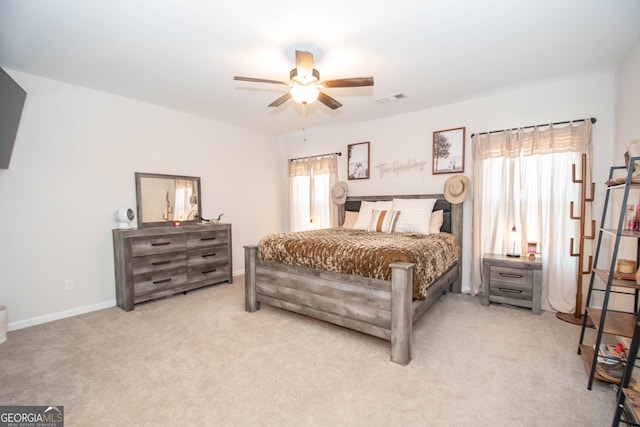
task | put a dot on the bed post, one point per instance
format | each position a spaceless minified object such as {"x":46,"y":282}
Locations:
{"x":251,"y":304}
{"x":456,"y":230}
{"x":401,"y":312}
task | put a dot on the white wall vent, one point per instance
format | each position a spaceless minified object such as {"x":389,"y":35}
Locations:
{"x":390,"y":98}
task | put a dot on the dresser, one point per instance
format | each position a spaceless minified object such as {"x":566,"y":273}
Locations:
{"x":156,"y":262}
{"x":513,"y":281}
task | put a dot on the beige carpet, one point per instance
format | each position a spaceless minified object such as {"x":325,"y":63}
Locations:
{"x":200,"y":359}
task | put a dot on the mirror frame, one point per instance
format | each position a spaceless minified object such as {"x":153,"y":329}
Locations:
{"x":140,"y":196}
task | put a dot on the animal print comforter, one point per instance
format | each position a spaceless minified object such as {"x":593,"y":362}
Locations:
{"x":364,"y":253}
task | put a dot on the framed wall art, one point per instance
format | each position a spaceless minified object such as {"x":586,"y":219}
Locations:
{"x":448,"y":151}
{"x":358,"y":160}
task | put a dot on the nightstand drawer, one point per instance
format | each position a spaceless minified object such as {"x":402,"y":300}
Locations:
{"x":511,"y":290}
{"x":512,"y":275}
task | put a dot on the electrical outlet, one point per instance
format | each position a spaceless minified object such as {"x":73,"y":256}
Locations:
{"x":69,"y":285}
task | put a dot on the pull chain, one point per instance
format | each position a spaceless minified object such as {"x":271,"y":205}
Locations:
{"x":304,"y":119}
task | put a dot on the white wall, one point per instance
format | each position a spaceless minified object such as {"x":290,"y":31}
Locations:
{"x":627,"y":108}
{"x":73,"y":165}
{"x":627,"y":127}
{"x":409,"y":136}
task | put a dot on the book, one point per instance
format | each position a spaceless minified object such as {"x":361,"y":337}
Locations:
{"x":609,"y":354}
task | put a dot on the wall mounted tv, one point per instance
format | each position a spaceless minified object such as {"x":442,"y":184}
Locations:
{"x":12,"y":98}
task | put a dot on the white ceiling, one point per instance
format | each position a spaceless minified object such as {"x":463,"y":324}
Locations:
{"x":183,"y":54}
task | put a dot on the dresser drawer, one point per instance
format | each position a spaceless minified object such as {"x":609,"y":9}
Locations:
{"x":207,"y":255}
{"x":207,"y":239}
{"x":158,"y":280}
{"x":157,"y":244}
{"x":160,"y":262}
{"x":209,"y":273}
{"x":512,"y":275}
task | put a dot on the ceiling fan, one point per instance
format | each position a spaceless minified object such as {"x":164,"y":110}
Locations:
{"x":305,"y":83}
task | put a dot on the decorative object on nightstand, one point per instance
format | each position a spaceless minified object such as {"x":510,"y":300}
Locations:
{"x":576,"y":316}
{"x":514,"y":244}
{"x":532,"y":250}
{"x":512,"y":281}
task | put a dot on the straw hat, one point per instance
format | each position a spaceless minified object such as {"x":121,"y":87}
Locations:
{"x":339,"y":192}
{"x":455,"y":189}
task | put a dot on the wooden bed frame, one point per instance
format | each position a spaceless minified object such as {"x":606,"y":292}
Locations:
{"x":376,"y":307}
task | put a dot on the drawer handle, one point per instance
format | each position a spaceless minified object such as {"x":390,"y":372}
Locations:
{"x":513,"y":291}
{"x":208,"y":255}
{"x":210,"y":271}
{"x":157,"y":282}
{"x":512,"y":275}
{"x":204,"y":239}
{"x":160,"y":262}
{"x":161,"y":244}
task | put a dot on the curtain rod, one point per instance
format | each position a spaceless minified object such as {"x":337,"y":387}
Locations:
{"x":318,"y":155}
{"x":593,"y":120}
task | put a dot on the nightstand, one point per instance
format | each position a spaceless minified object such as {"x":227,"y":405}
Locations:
{"x":514,"y":281}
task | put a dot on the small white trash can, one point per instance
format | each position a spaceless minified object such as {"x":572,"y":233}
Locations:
{"x":3,"y":323}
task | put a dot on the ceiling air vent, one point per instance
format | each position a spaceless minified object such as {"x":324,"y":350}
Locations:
{"x":390,"y":98}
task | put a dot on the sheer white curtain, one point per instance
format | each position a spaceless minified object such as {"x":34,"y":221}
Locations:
{"x":524,"y":178}
{"x":310,"y":182}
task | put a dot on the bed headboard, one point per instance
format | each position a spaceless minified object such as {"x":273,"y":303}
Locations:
{"x":452,"y":213}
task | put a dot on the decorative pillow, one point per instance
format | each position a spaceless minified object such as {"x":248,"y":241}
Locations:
{"x":349,"y":219}
{"x":383,"y":221}
{"x":364,"y":216}
{"x":437,"y":219}
{"x":416,"y":215}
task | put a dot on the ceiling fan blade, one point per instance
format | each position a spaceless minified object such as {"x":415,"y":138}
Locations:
{"x":353,"y":82}
{"x":328,"y":101}
{"x":278,"y":102}
{"x":251,"y":79}
{"x":304,"y":63}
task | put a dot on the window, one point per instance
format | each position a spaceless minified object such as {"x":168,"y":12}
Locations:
{"x":524,"y":178}
{"x":310,"y":181}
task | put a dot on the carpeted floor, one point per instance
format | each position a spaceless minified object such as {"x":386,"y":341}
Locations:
{"x":200,"y":359}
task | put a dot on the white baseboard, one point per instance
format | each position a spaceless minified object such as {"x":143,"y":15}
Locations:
{"x":61,"y":315}
{"x":70,"y":313}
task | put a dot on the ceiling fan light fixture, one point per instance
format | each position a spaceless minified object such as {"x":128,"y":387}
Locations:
{"x":304,"y":94}
{"x":303,"y":77}
{"x":305,"y":83}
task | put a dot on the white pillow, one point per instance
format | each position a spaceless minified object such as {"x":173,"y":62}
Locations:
{"x":364,"y":215}
{"x":437,"y":219}
{"x":416,"y":215}
{"x":349,"y":219}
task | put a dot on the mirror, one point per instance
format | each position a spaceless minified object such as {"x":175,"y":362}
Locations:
{"x":163,"y":199}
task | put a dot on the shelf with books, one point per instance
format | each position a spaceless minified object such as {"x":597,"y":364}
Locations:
{"x":628,"y":399}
